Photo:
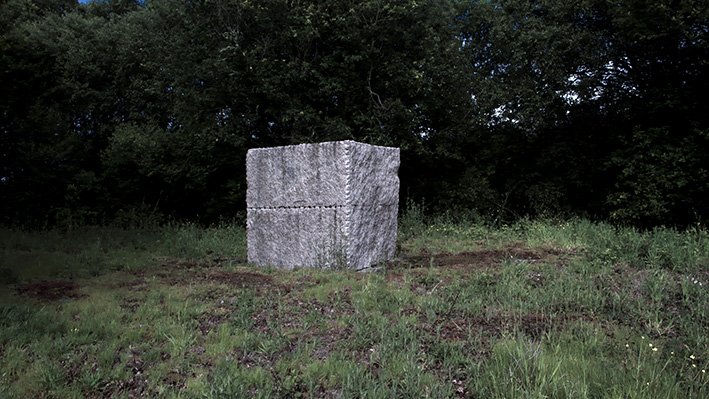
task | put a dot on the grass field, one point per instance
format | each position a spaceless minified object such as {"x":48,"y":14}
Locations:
{"x":535,"y":309}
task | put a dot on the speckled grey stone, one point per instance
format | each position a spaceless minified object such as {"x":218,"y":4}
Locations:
{"x":292,"y":237}
{"x":372,"y":234}
{"x":373,"y":177}
{"x":330,"y":204}
{"x":296,"y":175}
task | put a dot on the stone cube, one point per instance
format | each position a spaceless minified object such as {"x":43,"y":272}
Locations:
{"x":330,"y":204}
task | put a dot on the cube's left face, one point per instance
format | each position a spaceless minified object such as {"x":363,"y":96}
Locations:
{"x":296,"y":237}
{"x":297,"y":176}
{"x":295,"y":201}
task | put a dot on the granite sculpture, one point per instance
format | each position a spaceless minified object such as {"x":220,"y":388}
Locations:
{"x":331,"y":204}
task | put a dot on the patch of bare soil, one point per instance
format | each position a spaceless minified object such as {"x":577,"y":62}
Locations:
{"x":533,"y":325}
{"x":175,"y":271}
{"x":175,"y":379}
{"x":210,"y":294}
{"x":176,"y":263}
{"x":482,"y":259}
{"x":328,"y":339}
{"x":626,"y":279}
{"x":305,"y":281}
{"x":215,"y":261}
{"x":251,"y":359}
{"x":291,"y":317}
{"x":137,"y":284}
{"x":241,"y":279}
{"x":130,"y":305}
{"x":136,"y":386}
{"x":73,"y":367}
{"x":338,"y":304}
{"x":50,"y":290}
{"x":187,"y":272}
{"x":210,"y":320}
{"x":199,"y":353}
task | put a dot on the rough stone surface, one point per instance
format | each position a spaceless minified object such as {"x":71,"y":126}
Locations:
{"x":296,"y":176}
{"x":373,"y":176}
{"x":331,"y":204}
{"x":291,"y":237}
{"x":372,"y":234}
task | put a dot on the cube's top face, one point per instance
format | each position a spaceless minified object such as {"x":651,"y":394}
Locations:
{"x":327,"y":174}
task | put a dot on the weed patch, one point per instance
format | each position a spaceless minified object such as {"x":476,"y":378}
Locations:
{"x":484,"y":258}
{"x":536,"y":309}
{"x":50,"y":290}
{"x":241,"y":279}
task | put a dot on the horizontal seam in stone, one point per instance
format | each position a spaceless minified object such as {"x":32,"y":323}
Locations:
{"x":371,"y":205}
{"x":259,"y":208}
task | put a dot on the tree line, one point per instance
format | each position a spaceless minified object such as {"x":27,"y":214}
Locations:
{"x":120,"y":110}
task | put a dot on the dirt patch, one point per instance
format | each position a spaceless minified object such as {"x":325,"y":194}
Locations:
{"x":292,"y":315}
{"x":137,"y":384}
{"x":482,"y":259}
{"x":251,"y":359}
{"x":624,"y":281}
{"x":133,"y":387}
{"x":176,"y":263}
{"x":175,"y":379}
{"x":328,"y":340}
{"x":72,"y":367}
{"x":304,"y":282}
{"x":50,"y":290}
{"x":199,"y":353}
{"x":180,"y":277}
{"x":210,"y":320}
{"x":215,"y":261}
{"x":533,"y":325}
{"x":188,"y":272}
{"x":210,"y":294}
{"x":487,"y":258}
{"x":289,"y":316}
{"x":241,"y":279}
{"x":137,"y":284}
{"x":130,"y":305}
{"x":428,"y":272}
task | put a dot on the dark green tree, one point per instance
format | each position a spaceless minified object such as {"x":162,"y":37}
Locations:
{"x":502,"y":109}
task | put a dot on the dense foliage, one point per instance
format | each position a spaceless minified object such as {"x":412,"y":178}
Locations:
{"x":120,"y":109}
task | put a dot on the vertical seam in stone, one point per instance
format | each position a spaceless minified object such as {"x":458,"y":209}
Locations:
{"x":347,"y":209}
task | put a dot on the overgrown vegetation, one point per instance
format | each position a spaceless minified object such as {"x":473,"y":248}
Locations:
{"x":535,"y":308}
{"x":503,"y":109}
{"x":138,"y":115}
